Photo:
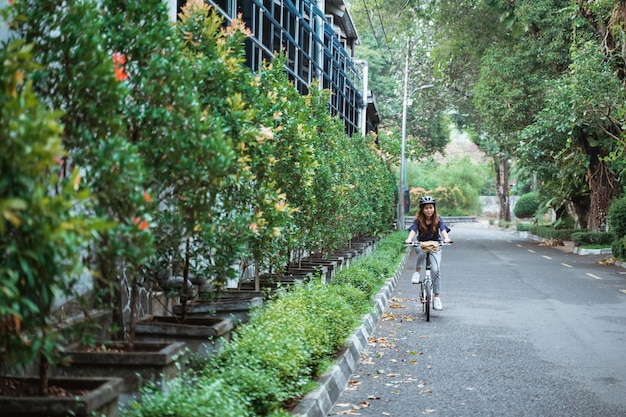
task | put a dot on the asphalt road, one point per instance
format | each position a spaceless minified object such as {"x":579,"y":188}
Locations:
{"x":526,"y":330}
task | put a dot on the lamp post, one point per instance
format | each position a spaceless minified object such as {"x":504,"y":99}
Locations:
{"x":403,"y":151}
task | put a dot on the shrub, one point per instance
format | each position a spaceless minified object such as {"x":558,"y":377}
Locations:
{"x":285,"y":345}
{"x":618,"y":247}
{"x":617,"y":223}
{"x":617,"y":217}
{"x":191,"y":397}
{"x":549,"y":232}
{"x":504,"y":224}
{"x":592,"y":238}
{"x":522,"y":227}
{"x":526,"y":206}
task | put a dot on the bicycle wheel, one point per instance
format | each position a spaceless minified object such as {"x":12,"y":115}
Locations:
{"x":423,"y":296}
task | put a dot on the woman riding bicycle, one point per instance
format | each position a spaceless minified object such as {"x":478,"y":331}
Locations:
{"x":428,"y":226}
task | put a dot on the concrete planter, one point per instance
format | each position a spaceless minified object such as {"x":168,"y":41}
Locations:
{"x":101,"y":399}
{"x":201,"y":335}
{"x":235,"y":305}
{"x":148,"y":362}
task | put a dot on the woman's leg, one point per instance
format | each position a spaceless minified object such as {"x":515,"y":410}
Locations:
{"x":435,"y":262}
{"x":421,"y":259}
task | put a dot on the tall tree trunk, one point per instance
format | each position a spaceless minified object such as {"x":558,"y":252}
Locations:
{"x":604,"y":187}
{"x":502,"y":186}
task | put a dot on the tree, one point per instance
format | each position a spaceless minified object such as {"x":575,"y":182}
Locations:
{"x":582,"y":111}
{"x":80,"y":77}
{"x":43,"y":231}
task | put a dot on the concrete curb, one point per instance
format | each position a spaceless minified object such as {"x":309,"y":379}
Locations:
{"x":319,"y":403}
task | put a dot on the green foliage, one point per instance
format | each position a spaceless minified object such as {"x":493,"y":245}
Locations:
{"x":526,"y":206}
{"x":617,"y":225}
{"x":504,"y":224}
{"x":223,"y":163}
{"x":549,"y":232}
{"x":522,"y":227}
{"x":44,"y":227}
{"x":618,"y":248}
{"x":592,"y":238}
{"x":78,"y":76}
{"x":456,"y":185}
{"x":286,"y":345}
{"x":191,"y":397}
{"x":617,"y":217}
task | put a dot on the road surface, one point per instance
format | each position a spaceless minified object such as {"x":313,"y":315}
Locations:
{"x":526,"y":330}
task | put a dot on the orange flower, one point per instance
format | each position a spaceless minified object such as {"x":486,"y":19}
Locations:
{"x":119,"y":60}
{"x":147,"y":197}
{"x":141,"y":224}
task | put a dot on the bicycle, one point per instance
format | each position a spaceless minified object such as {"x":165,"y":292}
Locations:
{"x":426,"y":283}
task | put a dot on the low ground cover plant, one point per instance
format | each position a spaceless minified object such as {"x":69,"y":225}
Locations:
{"x":276,"y":357}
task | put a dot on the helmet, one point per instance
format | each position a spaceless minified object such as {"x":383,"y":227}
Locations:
{"x":427,"y":200}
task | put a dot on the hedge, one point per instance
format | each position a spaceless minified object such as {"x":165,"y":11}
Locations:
{"x":592,"y":238}
{"x":276,"y":357}
{"x":548,"y":232}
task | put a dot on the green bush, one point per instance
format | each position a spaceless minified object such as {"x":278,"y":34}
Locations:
{"x":504,"y":224}
{"x":592,"y":238}
{"x":526,"y":206}
{"x":617,"y":224}
{"x":618,"y":247}
{"x":282,"y":349}
{"x":522,"y":227}
{"x":549,"y":232}
{"x":617,"y":217}
{"x":191,"y":397}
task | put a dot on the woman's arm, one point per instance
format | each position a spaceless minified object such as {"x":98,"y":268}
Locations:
{"x":444,"y":235}
{"x":411,"y":237}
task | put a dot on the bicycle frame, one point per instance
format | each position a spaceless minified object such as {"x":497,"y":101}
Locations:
{"x":426,"y":288}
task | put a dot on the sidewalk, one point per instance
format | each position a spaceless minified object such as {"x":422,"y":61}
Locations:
{"x":319,"y":403}
{"x":391,"y":363}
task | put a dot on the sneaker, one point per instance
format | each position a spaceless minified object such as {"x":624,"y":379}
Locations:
{"x":416,"y":278}
{"x":437,"y":303}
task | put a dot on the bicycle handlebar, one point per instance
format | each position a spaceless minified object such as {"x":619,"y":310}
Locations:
{"x":417,"y":243}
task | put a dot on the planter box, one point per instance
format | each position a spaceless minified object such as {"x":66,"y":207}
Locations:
{"x":272,"y":283}
{"x":235,"y":305}
{"x":100,"y":400}
{"x":201,"y":335}
{"x":148,"y":362}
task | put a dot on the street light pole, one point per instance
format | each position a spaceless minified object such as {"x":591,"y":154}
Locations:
{"x":401,"y":204}
{"x":400,"y":222}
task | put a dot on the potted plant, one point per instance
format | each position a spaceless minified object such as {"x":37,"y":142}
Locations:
{"x":189,"y":159}
{"x":42,"y":236}
{"x":223,"y":217}
{"x":95,"y":137}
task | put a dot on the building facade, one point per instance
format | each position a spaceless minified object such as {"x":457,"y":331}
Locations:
{"x":319,"y":40}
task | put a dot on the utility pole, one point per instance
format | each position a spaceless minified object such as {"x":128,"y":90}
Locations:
{"x":400,"y":222}
{"x":405,"y":100}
